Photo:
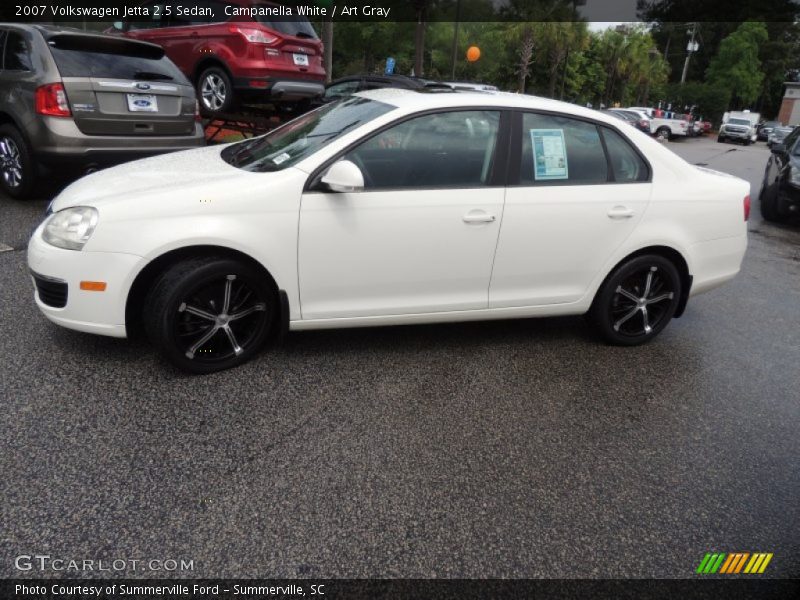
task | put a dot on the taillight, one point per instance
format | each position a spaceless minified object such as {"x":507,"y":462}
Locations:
{"x":644,"y":123}
{"x":747,"y":207}
{"x":51,"y":100}
{"x":254,"y":36}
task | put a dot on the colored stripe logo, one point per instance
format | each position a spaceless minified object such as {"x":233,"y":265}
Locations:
{"x":734,"y":562}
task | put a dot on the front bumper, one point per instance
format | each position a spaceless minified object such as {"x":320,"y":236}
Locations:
{"x":92,"y":312}
{"x":737,"y":135}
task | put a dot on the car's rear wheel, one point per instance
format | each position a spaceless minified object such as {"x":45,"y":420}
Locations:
{"x":637,"y":300}
{"x":17,"y":167}
{"x":720,"y":139}
{"x":205,"y":315}
{"x":215,"y":91}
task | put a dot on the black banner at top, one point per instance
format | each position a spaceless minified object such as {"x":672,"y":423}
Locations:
{"x":198,"y":12}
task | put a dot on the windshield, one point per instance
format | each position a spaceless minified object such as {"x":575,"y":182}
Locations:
{"x":739,"y":122}
{"x":303,"y":136}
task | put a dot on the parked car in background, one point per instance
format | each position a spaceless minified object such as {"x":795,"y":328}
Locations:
{"x":70,"y":98}
{"x":764,"y":129}
{"x":664,"y":125}
{"x":635,"y":118}
{"x":780,"y":188}
{"x":739,"y":126}
{"x":347,"y":86}
{"x":470,"y":86}
{"x":391,"y":207}
{"x":238,"y":58}
{"x":778,"y":135}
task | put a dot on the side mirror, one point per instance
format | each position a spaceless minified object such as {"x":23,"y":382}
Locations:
{"x":344,"y":176}
{"x":778,"y":148}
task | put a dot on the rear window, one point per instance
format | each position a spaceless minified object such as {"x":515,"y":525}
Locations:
{"x":85,"y":56}
{"x":301,"y":28}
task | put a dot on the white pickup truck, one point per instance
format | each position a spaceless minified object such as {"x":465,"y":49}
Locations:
{"x":662,"y":127}
{"x":739,"y":126}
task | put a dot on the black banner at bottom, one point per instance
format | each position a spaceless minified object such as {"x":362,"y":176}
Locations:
{"x":395,"y":589}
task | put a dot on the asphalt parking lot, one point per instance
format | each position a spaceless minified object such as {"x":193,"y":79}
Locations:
{"x":501,"y":449}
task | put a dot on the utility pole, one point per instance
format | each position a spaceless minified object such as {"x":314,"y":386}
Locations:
{"x":692,"y":46}
{"x":455,"y":39}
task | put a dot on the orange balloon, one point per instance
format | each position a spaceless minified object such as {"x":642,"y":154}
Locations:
{"x":473,"y":53}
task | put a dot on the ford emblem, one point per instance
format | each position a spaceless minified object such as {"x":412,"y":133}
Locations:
{"x":143,"y":86}
{"x":142,"y":103}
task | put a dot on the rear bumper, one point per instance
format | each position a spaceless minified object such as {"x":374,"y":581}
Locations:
{"x":62,"y":143}
{"x":284,"y":90}
{"x":716,"y":262}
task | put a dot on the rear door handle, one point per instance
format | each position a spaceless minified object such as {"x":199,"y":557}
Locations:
{"x":478,"y":217}
{"x":620,"y":212}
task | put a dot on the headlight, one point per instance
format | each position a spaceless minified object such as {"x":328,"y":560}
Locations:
{"x":70,"y":228}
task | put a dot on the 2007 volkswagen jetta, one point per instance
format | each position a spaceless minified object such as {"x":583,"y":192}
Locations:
{"x":391,"y":207}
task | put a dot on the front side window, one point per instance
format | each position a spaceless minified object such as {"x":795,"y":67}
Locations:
{"x":2,"y":46}
{"x":443,"y":150}
{"x":305,"y":135}
{"x":626,"y":163}
{"x":561,"y":150}
{"x":17,"y":54}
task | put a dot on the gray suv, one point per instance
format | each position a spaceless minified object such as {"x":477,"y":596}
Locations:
{"x":85,"y":101}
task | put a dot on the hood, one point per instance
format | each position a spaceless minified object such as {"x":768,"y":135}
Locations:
{"x":198,"y":167}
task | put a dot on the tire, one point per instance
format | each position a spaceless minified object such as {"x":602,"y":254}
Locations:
{"x":663,"y":133}
{"x":215,"y":91}
{"x":747,"y":142}
{"x":768,"y":202}
{"x":186,"y":317}
{"x":720,"y":139}
{"x":618,"y":313}
{"x":17,"y":166}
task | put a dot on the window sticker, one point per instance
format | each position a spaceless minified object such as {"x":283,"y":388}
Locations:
{"x":549,"y":154}
{"x":281,"y":158}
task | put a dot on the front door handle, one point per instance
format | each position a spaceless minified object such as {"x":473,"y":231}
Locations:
{"x":620,"y":212}
{"x":478,"y":217}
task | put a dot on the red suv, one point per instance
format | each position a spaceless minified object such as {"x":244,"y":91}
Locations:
{"x":236,"y":50}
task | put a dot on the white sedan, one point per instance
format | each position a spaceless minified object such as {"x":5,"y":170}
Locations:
{"x":391,"y":207}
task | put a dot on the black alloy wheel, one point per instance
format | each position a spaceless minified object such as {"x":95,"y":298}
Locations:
{"x":637,"y":301}
{"x":209,"y":315}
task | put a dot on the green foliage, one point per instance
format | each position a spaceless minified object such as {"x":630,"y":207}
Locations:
{"x":736,"y":69}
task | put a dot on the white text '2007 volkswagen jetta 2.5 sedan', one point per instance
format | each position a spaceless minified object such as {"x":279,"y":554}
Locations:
{"x":391,"y":207}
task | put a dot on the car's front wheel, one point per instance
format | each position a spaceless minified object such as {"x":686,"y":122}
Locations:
{"x":17,"y":167}
{"x":663,"y":133}
{"x":637,"y":300}
{"x":215,"y":91}
{"x":205,"y":315}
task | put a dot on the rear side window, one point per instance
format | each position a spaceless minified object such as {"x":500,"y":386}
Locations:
{"x":626,"y":163}
{"x":560,"y":150}
{"x":84,"y":56}
{"x":17,"y":54}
